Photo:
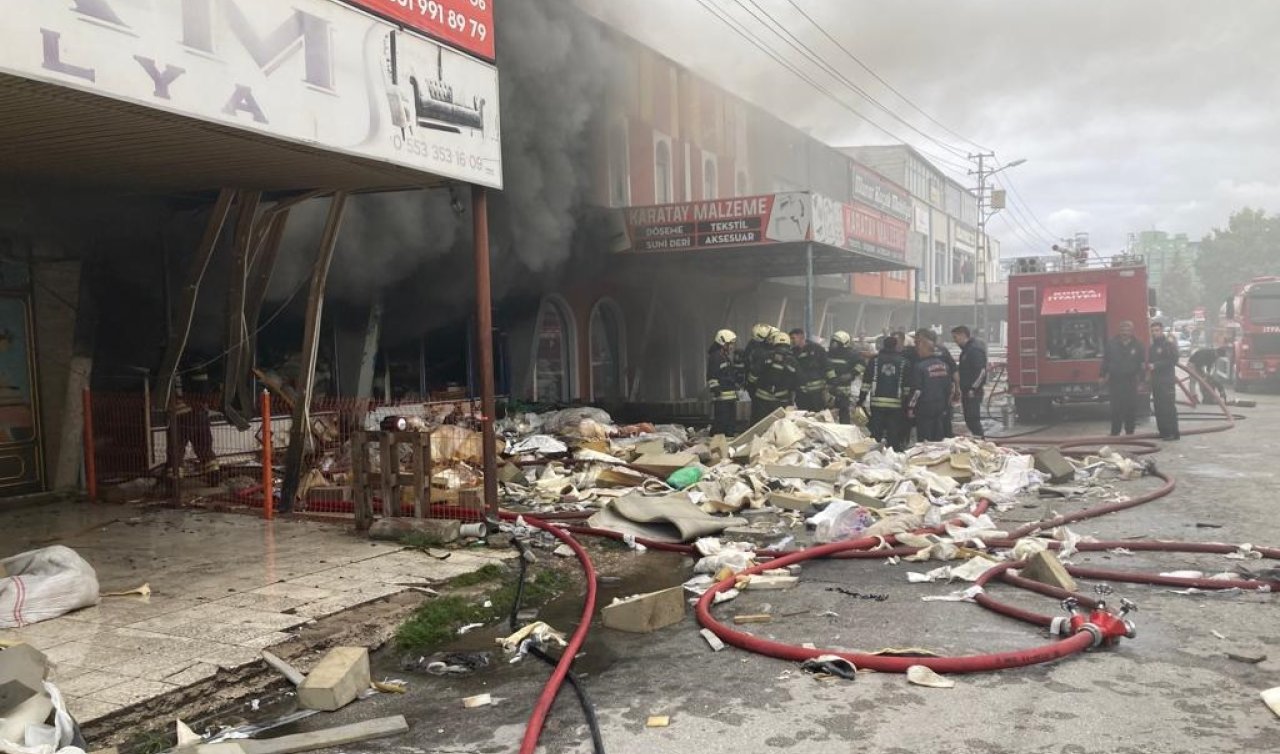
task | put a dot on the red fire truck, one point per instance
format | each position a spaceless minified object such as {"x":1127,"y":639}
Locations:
{"x":1249,"y":323}
{"x":1062,"y":312}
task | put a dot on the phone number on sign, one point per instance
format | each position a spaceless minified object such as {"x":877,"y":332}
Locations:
{"x":442,"y":155}
{"x":466,"y":23}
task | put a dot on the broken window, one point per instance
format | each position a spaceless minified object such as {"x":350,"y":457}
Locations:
{"x":606,"y":352}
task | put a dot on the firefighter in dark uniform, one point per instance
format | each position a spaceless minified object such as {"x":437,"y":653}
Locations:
{"x":847,"y":365}
{"x":1123,"y":365}
{"x":971,"y":378}
{"x":913,"y":357}
{"x":932,"y":389}
{"x":775,"y":385}
{"x":1164,"y":383}
{"x":724,"y":380}
{"x":193,"y":395}
{"x":1204,"y":362}
{"x":886,"y":384}
{"x":814,"y":373}
{"x":753,"y":357}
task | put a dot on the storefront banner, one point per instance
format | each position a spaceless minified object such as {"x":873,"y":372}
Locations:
{"x":744,"y":221}
{"x":465,"y":24}
{"x":312,"y":72}
{"x":966,"y":238}
{"x":869,"y":226}
{"x":877,"y":191}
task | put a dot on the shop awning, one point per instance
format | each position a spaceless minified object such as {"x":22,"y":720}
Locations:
{"x":1074,"y":299}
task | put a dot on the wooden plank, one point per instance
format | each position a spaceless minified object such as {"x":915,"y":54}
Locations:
{"x":803,"y":472}
{"x":360,"y":480}
{"x":389,"y":482}
{"x":418,"y":443}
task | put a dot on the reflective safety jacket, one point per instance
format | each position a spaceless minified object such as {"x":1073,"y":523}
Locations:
{"x":724,"y":373}
{"x":753,"y":358}
{"x":814,"y":370}
{"x":846,"y":366}
{"x":777,"y":378}
{"x":932,"y":383}
{"x":885,"y":381}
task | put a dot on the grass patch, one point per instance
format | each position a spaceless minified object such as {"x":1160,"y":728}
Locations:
{"x":436,"y":623}
{"x":491,"y":572}
{"x":151,"y":742}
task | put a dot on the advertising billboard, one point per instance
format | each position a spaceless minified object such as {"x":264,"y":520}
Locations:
{"x":311,"y":72}
{"x":465,"y":24}
{"x":745,"y":221}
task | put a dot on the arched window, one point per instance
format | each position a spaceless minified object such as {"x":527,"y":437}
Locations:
{"x":553,"y":358}
{"x":662,"y":171}
{"x":608,"y":352}
{"x":709,"y":178}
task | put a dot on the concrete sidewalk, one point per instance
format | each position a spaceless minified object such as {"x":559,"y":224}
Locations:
{"x":224,"y":586}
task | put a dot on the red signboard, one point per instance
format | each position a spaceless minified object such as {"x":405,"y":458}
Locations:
{"x":861,"y":223}
{"x":1075,"y":299}
{"x":465,"y":24}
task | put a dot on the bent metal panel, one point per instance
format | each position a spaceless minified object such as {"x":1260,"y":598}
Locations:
{"x":315,"y":72}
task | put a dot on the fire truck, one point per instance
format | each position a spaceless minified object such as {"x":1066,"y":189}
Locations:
{"x":1249,"y":324}
{"x":1062,"y":312}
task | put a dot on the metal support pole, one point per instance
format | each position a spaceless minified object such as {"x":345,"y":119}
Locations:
{"x":915,"y":317}
{"x":484,"y":345}
{"x":268,"y":476}
{"x":90,"y":463}
{"x":982,"y":233}
{"x":808,"y":290}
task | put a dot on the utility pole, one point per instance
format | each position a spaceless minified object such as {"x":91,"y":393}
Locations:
{"x":981,"y":281}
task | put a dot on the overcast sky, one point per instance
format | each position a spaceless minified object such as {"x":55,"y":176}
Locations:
{"x":1131,"y":114}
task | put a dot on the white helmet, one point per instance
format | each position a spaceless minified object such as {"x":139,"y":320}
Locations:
{"x":726,"y":337}
{"x":841,"y":338}
{"x":762,"y":332}
{"x":779,"y":338}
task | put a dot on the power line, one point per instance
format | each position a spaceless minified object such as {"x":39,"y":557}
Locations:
{"x":738,"y":28}
{"x":782,"y":32}
{"x":877,"y":77}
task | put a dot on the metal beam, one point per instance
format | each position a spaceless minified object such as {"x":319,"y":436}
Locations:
{"x":300,"y":431}
{"x":235,"y":374}
{"x":190,"y":294}
{"x":484,"y":345}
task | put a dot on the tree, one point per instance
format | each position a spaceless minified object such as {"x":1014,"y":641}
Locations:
{"x":1248,"y":247}
{"x":1179,"y":291}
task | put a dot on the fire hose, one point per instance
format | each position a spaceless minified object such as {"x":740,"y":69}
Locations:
{"x":1092,"y":627}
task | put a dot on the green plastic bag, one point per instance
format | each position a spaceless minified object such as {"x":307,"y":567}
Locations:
{"x":686,"y":477}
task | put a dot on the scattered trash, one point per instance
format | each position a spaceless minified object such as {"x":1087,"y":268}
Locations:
{"x":1251,"y":659}
{"x":142,"y":591}
{"x":657,"y":721}
{"x":1271,"y":697}
{"x":43,"y":584}
{"x":563,"y":551}
{"x":1218,"y":634}
{"x":539,"y":632}
{"x":479,"y":700}
{"x":391,"y":686}
{"x":712,"y":640}
{"x":328,"y":738}
{"x":285,"y":669}
{"x":463,"y":630}
{"x":453,"y":663}
{"x":185,"y":736}
{"x":756,"y":618}
{"x":858,"y":595}
{"x":923,"y":676}
{"x":832,"y":665}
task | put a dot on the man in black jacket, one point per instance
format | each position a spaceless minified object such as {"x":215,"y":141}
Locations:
{"x":814,"y":373}
{"x":1204,"y":362}
{"x":1123,"y":365}
{"x":1164,"y":383}
{"x":725,"y":377}
{"x":971,"y":378}
{"x":886,"y":383}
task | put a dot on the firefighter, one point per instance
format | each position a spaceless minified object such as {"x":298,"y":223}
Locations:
{"x":1204,"y":362}
{"x":913,"y":357}
{"x":775,"y":385}
{"x":753,"y":357}
{"x":1123,"y":364}
{"x":814,"y":373}
{"x":847,"y":365}
{"x":724,"y":380}
{"x":1164,"y":383}
{"x":933,"y":387}
{"x":971,"y":378}
{"x":886,"y":384}
{"x":193,"y":394}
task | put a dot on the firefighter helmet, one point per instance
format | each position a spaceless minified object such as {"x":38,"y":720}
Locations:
{"x":779,"y":338}
{"x":762,"y":331}
{"x":841,"y":338}
{"x":726,"y":337}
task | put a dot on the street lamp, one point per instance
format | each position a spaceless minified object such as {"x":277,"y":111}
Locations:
{"x":980,"y":280}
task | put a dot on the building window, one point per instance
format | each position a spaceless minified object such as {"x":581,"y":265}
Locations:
{"x":940,"y":263}
{"x":662,"y":171}
{"x":619,"y":165}
{"x":608,"y":347}
{"x":553,"y":361}
{"x":710,"y":179}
